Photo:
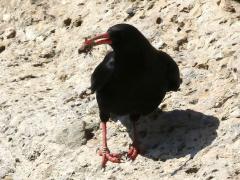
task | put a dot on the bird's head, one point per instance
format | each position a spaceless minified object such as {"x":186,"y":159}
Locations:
{"x":121,"y":37}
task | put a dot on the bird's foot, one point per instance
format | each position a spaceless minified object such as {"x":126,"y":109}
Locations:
{"x":132,"y":152}
{"x":107,"y":156}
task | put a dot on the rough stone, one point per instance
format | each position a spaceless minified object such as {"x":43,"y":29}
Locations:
{"x":10,"y":33}
{"x":130,"y":12}
{"x":72,"y":135}
{"x":78,"y":22}
{"x":49,"y":121}
{"x":2,"y":48}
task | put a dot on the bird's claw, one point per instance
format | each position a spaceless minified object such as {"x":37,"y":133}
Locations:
{"x":132,"y":153}
{"x":107,"y":156}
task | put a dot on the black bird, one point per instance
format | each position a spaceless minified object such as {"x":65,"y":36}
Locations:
{"x":131,"y":80}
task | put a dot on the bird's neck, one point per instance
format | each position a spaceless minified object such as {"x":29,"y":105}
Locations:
{"x":137,"y":56}
{"x":127,"y":57}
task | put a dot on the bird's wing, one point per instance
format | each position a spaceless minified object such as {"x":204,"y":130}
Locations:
{"x":103,"y":72}
{"x":173,"y":75}
{"x":171,"y":71}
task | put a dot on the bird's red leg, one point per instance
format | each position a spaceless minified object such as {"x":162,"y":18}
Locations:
{"x":134,"y":150}
{"x":105,"y":153}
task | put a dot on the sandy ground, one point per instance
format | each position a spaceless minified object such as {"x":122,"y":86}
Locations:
{"x":49,"y":128}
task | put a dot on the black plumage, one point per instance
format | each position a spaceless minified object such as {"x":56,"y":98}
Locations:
{"x":132,"y":79}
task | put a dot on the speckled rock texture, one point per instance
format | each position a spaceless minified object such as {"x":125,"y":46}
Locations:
{"x":49,"y":124}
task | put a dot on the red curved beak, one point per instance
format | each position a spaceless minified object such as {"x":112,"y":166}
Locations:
{"x":99,"y":39}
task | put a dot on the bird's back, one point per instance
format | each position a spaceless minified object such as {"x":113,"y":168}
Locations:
{"x":136,"y":88}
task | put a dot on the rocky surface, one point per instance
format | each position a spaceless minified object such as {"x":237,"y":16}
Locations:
{"x":49,"y":125}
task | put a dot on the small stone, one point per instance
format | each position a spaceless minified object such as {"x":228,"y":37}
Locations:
{"x":10,"y":33}
{"x":174,"y":19}
{"x":182,"y":41}
{"x":224,"y":117}
{"x":194,"y":101}
{"x":130,"y":12}
{"x":185,"y":9}
{"x":202,"y":66}
{"x":2,"y":48}
{"x":150,"y":6}
{"x":181,"y":24}
{"x":158,"y":20}
{"x":63,"y":77}
{"x":26,"y":77}
{"x":160,"y":44}
{"x":218,"y":56}
{"x":48,"y":55}
{"x":71,"y":134}
{"x":179,"y":29}
{"x":34,"y":155}
{"x":8,"y":178}
{"x":67,"y":22}
{"x":210,"y":177}
{"x":142,"y":16}
{"x":78,"y":22}
{"x":192,"y":170}
{"x":17,"y":160}
{"x":163,"y":106}
{"x":227,"y":6}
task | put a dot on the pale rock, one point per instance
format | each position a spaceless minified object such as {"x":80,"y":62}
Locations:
{"x":6,"y":17}
{"x":10,"y":33}
{"x":31,"y":33}
{"x":159,"y":44}
{"x":49,"y":122}
{"x":71,"y":134}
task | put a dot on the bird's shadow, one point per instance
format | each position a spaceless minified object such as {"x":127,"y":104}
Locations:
{"x":174,"y":134}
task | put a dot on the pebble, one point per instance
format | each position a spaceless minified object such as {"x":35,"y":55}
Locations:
{"x":130,"y":12}
{"x":71,"y":134}
{"x":182,"y":41}
{"x":202,"y":66}
{"x":158,"y":20}
{"x":10,"y":33}
{"x":67,"y":22}
{"x":218,"y":56}
{"x":78,"y":22}
{"x":194,"y":101}
{"x":47,"y":55}
{"x":160,"y":44}
{"x":8,"y":178}
{"x":2,"y":48}
{"x":150,"y":6}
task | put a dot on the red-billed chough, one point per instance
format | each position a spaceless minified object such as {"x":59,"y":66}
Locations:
{"x":131,"y":80}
